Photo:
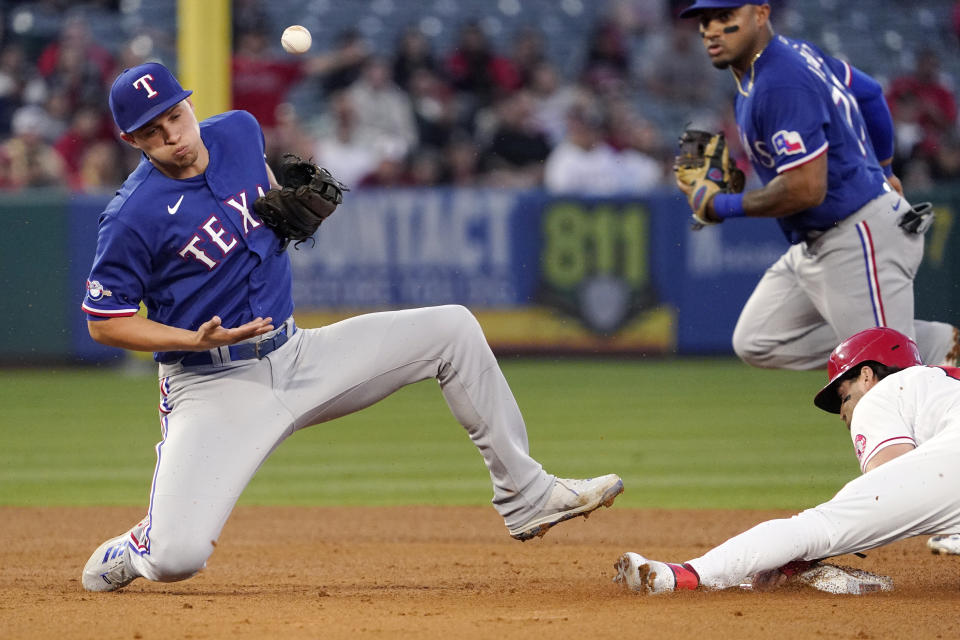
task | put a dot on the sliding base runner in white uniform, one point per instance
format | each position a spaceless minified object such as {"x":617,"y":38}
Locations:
{"x":913,"y":492}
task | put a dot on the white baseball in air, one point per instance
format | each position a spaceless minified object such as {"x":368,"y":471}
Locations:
{"x":296,"y":39}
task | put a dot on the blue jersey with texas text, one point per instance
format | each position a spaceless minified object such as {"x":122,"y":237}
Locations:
{"x":194,"y":248}
{"x":798,"y":108}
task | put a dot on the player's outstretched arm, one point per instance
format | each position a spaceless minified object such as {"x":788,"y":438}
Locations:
{"x":800,"y":188}
{"x":142,"y":334}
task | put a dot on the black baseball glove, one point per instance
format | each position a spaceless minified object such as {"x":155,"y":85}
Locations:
{"x":917,"y":219}
{"x":308,"y":194}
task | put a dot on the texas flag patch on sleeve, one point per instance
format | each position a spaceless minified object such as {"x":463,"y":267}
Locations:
{"x":788,"y":143}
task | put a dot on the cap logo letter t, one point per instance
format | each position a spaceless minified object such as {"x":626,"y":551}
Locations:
{"x":142,"y":80}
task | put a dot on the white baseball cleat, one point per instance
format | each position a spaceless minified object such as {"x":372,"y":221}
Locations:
{"x":569,"y":499}
{"x":651,"y":577}
{"x":947,"y":544}
{"x":108,"y":569}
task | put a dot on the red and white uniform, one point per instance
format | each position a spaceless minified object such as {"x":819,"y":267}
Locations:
{"x":913,"y":494}
{"x":911,"y":407}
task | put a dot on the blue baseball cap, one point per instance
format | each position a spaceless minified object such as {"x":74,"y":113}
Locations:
{"x":702,"y":5}
{"x":141,"y":93}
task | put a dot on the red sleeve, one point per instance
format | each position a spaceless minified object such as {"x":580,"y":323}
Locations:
{"x":505,"y":75}
{"x":456,"y":66}
{"x":47,"y":63}
{"x":953,"y":372}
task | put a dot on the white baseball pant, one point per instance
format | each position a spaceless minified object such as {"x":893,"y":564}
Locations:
{"x":913,"y":494}
{"x":224,"y":423}
{"x":855,"y":276}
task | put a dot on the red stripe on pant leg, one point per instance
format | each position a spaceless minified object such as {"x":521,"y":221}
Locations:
{"x":876,"y":274}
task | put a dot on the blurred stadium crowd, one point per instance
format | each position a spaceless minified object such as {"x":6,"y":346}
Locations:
{"x":579,"y":96}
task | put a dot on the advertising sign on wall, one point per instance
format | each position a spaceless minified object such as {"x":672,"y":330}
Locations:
{"x":543,"y":274}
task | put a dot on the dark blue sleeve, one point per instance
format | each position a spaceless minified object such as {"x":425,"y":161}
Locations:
{"x":876,"y":113}
{"x":873,"y":106}
{"x":120,"y":270}
{"x":791,"y":125}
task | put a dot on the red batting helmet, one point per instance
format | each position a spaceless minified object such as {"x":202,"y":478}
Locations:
{"x":878,"y":344}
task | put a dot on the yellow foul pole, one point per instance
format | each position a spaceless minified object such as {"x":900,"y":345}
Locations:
{"x":203,"y":53}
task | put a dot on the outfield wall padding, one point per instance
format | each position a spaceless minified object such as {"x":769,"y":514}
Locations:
{"x":543,"y":274}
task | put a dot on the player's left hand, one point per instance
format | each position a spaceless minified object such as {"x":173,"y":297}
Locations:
{"x":307,"y":196}
{"x":703,"y":169}
{"x":699,"y":194}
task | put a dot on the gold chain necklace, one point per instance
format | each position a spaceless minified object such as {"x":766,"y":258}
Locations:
{"x":752,"y":74}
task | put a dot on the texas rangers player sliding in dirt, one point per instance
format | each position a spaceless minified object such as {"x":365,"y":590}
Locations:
{"x":814,"y":128}
{"x":904,"y":420}
{"x":237,"y":376}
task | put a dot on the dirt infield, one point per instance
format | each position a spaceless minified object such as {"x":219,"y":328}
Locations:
{"x":431,"y":572}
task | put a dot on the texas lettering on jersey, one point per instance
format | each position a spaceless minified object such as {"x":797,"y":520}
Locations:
{"x":211,"y":232}
{"x":193,"y":248}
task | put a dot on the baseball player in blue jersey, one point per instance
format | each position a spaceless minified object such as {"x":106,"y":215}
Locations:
{"x":814,"y":128}
{"x":237,"y":376}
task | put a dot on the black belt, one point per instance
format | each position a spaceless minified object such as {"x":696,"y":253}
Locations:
{"x":242,"y":351}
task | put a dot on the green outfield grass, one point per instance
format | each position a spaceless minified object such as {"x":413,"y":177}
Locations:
{"x":689,"y":433}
